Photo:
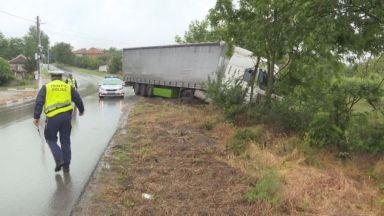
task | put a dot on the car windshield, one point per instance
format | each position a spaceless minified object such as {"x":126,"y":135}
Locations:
{"x":112,"y":81}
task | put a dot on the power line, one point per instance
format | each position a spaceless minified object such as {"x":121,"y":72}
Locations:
{"x":16,"y":16}
{"x":71,"y":33}
{"x":79,"y":35}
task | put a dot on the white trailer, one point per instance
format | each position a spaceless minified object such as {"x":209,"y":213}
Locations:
{"x":184,"y":69}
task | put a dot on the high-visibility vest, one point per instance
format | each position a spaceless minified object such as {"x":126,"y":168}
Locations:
{"x":57,"y":98}
{"x":71,"y":82}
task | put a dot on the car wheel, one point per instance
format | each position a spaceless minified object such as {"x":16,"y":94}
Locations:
{"x":143,"y":90}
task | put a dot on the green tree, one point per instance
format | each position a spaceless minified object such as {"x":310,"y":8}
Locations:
{"x":30,"y":41}
{"x":115,"y":65}
{"x":10,"y":48}
{"x":283,"y":30}
{"x":5,"y":72}
{"x":199,"y":31}
{"x":15,"y":47}
{"x":62,"y":53}
{"x":86,"y":62}
{"x":3,"y":46}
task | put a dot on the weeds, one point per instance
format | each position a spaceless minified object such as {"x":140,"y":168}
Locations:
{"x":241,"y":138}
{"x":267,"y":189}
{"x":209,"y":125}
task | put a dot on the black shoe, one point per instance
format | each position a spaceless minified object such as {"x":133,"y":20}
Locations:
{"x":58,"y":166}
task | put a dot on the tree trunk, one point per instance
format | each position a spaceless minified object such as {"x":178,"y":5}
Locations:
{"x":268,"y":92}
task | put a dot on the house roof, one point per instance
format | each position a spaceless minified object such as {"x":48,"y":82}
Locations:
{"x":95,"y":51}
{"x":80,"y":51}
{"x":20,"y":59}
{"x":91,"y":51}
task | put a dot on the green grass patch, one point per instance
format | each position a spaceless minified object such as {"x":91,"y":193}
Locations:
{"x":267,"y":189}
{"x":121,"y":155}
{"x":20,"y":84}
{"x":242,"y":137}
{"x":128,"y":203}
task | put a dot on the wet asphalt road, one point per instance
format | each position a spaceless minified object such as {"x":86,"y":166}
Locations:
{"x":28,"y":184}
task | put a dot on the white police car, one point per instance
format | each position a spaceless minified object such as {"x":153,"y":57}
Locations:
{"x":111,"y":87}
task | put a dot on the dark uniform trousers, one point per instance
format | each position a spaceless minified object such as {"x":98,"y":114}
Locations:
{"x":61,"y":123}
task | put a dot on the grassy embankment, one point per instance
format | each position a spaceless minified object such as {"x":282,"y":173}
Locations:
{"x":192,"y":162}
{"x":26,"y":83}
{"x":22,"y":84}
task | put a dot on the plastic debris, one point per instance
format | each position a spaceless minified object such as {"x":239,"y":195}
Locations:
{"x":147,"y":196}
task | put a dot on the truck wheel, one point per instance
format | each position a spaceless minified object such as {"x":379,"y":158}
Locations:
{"x":136,"y":88}
{"x":143,"y":90}
{"x":150,"y":90}
{"x":187,"y":93}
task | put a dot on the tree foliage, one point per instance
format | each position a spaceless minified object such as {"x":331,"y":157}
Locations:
{"x":62,"y":53}
{"x":5,"y":72}
{"x":10,"y":47}
{"x":283,"y":30}
{"x":330,"y":62}
{"x":86,"y":62}
{"x":199,"y":31}
{"x":115,"y":65}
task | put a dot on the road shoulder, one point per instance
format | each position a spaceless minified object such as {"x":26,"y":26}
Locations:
{"x":12,"y":97}
{"x":162,"y":161}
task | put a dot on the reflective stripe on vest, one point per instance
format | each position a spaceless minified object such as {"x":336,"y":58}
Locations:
{"x":57,"y":98}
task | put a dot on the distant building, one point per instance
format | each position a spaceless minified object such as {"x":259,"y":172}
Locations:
{"x":103,"y":68}
{"x":92,"y":52}
{"x":17,"y":66}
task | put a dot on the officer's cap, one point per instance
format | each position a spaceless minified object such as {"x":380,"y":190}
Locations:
{"x":56,"y":72}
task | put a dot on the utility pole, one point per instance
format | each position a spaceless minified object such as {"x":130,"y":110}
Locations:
{"x":48,"y":54}
{"x":38,"y":55}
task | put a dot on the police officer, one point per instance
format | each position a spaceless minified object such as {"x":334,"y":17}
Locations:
{"x":56,"y":98}
{"x":71,"y":81}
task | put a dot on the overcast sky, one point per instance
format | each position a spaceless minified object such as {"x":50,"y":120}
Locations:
{"x":104,"y":23}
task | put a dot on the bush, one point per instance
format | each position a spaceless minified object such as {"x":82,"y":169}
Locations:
{"x":241,"y":138}
{"x":364,"y":135}
{"x":267,"y":189}
{"x":290,"y":116}
{"x":323,"y":132}
{"x":5,"y":72}
{"x":115,"y":64}
{"x":227,"y":96}
{"x":86,"y":62}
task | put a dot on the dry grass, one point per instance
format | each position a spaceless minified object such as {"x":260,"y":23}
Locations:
{"x":179,"y":154}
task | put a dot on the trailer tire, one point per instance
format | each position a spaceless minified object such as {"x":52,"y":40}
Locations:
{"x":143,"y":90}
{"x":136,"y":88}
{"x":187,"y":93}
{"x":150,"y":90}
